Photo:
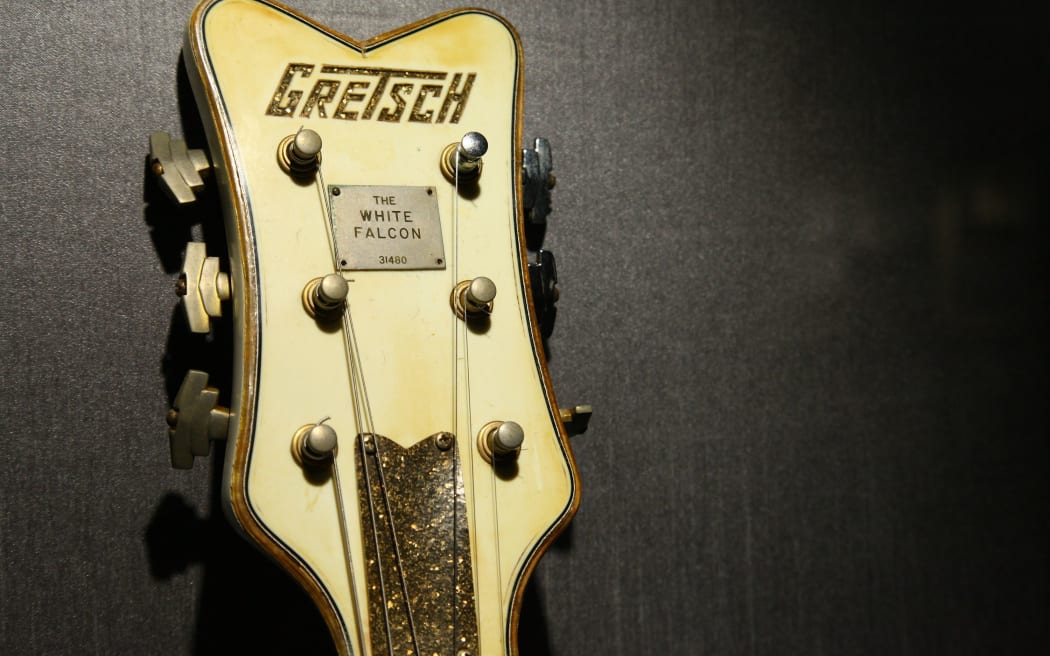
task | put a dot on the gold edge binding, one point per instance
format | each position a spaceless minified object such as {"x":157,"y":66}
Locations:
{"x":541,"y":357}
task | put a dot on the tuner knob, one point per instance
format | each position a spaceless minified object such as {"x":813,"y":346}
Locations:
{"x":500,"y":441}
{"x":474,"y":298}
{"x":195,"y":420}
{"x":323,"y":297}
{"x":575,"y":419}
{"x":202,"y":287}
{"x":537,"y":181}
{"x":463,"y":159}
{"x":179,"y":170}
{"x":314,"y":444}
{"x":543,"y":281}
{"x":299,"y":154}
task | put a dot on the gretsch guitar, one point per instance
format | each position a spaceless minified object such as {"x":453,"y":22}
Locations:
{"x":392,"y":439}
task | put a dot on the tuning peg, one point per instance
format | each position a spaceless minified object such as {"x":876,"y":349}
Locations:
{"x":179,"y":170}
{"x":543,"y":279}
{"x":195,"y":420}
{"x":576,"y":418}
{"x":537,"y":181}
{"x":500,"y":441}
{"x":462,"y":160}
{"x":202,"y":287}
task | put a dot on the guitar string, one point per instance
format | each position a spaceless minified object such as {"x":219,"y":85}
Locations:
{"x":322,"y":189}
{"x":365,"y":421}
{"x":461,"y":329}
{"x":455,"y":405}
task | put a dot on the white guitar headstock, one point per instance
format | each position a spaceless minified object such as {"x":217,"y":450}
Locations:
{"x":393,"y":440}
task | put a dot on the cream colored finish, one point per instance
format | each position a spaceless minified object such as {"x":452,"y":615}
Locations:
{"x":405,"y":329}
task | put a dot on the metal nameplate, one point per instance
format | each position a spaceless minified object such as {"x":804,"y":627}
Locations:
{"x":386,"y":227}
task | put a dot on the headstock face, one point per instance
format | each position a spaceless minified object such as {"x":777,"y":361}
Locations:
{"x":412,"y":537}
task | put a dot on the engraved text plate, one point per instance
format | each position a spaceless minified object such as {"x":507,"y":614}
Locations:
{"x":386,"y":227}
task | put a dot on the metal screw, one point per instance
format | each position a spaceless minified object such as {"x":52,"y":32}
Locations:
{"x":336,"y":191}
{"x":443,"y":441}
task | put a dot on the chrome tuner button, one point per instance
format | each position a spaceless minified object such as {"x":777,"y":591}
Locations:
{"x":472,"y":147}
{"x":507,"y":438}
{"x":462,"y":161}
{"x":543,"y":282}
{"x":320,"y":442}
{"x":314,"y":443}
{"x":323,"y":298}
{"x":474,"y":298}
{"x":500,"y":441}
{"x":299,"y":154}
{"x":537,"y":181}
{"x":480,"y":293}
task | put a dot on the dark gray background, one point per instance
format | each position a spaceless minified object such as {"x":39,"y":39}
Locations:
{"x":803,"y":285}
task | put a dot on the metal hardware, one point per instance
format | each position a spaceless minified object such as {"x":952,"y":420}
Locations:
{"x":179,"y":170}
{"x":299,"y":154}
{"x":202,"y":287}
{"x":467,"y":154}
{"x":195,"y":420}
{"x":387,"y":227}
{"x":444,"y":441}
{"x":323,"y":298}
{"x":543,"y":281}
{"x":537,"y":181}
{"x":500,"y":441}
{"x":575,"y":419}
{"x":314,"y":444}
{"x":471,"y":299}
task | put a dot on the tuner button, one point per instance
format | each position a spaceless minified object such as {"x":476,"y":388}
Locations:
{"x":462,"y":160}
{"x":202,"y":287}
{"x":575,"y":419}
{"x":543,"y":282}
{"x":480,"y":292}
{"x":314,"y":444}
{"x":507,"y":438}
{"x":320,"y":442}
{"x":473,"y":299}
{"x":324,"y":297}
{"x":331,"y":291}
{"x":179,"y":170}
{"x":299,"y":154}
{"x":537,"y":179}
{"x":306,"y":145}
{"x":472,"y":147}
{"x":500,"y":441}
{"x":195,"y":420}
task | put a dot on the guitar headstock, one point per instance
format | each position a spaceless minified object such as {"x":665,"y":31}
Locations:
{"x":392,"y":437}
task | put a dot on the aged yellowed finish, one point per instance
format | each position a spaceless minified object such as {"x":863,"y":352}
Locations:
{"x":423,"y":372}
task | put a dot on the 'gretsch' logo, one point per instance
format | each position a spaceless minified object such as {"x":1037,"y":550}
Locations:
{"x":353,"y":93}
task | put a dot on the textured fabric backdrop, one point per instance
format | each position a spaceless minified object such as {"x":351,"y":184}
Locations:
{"x":802,"y":257}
